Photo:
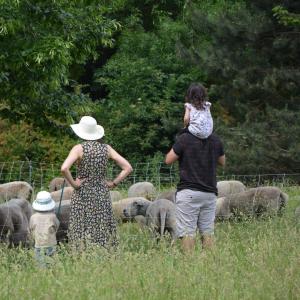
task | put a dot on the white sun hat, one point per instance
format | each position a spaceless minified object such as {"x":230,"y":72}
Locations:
{"x":43,"y":202}
{"x":88,"y":129}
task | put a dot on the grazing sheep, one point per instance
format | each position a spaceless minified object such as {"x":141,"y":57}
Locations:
{"x":57,"y":184}
{"x":142,"y":189}
{"x":159,"y":214}
{"x":115,"y":196}
{"x":169,"y":195}
{"x":119,"y":206}
{"x":228,"y":187}
{"x":68,"y":191}
{"x":14,"y":222}
{"x":266,"y":201}
{"x":63,"y":216}
{"x":15,"y":189}
{"x":297,"y":213}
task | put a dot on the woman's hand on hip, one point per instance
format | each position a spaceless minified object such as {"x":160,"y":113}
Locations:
{"x":110,"y":184}
{"x":78,"y":183}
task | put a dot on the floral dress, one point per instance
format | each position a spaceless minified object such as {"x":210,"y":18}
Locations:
{"x":91,"y":215}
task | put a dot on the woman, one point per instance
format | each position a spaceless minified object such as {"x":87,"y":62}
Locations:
{"x":91,"y":216}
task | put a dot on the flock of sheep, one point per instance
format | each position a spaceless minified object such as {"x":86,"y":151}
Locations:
{"x":143,"y":205}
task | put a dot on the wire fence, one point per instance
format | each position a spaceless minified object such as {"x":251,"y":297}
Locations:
{"x":161,"y":175}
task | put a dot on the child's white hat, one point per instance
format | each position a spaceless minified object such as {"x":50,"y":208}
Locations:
{"x":43,"y":202}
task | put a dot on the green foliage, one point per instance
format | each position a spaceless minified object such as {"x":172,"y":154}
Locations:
{"x":264,"y":143}
{"x":286,"y":18}
{"x":146,"y":85}
{"x":135,"y":59}
{"x":249,"y":59}
{"x":40,"y":42}
{"x":22,"y":141}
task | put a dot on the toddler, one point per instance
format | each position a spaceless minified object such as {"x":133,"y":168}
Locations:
{"x":43,"y":227}
{"x":197,"y":117}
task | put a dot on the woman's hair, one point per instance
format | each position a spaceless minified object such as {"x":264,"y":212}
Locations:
{"x":196,"y":95}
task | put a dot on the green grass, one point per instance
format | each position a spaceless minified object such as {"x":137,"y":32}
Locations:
{"x":258,"y":259}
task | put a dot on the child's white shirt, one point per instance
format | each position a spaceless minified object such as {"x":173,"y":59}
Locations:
{"x":43,"y":227}
{"x":201,"y":121}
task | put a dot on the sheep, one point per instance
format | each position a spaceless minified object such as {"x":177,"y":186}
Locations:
{"x":142,"y":189}
{"x":169,"y":194}
{"x":15,"y":189}
{"x":14,"y":222}
{"x":259,"y":201}
{"x":228,"y":187}
{"x":119,"y":206}
{"x":67,"y":193}
{"x":57,"y":184}
{"x":159,"y":214}
{"x":115,"y":196}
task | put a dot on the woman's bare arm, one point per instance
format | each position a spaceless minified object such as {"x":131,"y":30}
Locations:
{"x":74,"y":155}
{"x":122,"y":163}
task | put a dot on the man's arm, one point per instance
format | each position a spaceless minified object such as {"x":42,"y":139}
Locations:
{"x":221,"y":160}
{"x":171,"y":157}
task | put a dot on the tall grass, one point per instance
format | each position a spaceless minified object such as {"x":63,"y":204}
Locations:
{"x":254,"y":259}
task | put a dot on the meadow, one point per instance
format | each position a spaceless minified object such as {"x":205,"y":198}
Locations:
{"x":252,"y":259}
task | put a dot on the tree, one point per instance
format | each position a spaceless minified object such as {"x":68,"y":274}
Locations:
{"x":146,"y":84}
{"x":43,"y":44}
{"x":250,"y":60}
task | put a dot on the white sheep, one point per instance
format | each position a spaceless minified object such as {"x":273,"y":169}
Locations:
{"x":67,"y":193}
{"x":228,"y":187}
{"x":15,"y":189}
{"x":142,"y":189}
{"x":115,"y":196}
{"x":253,"y":202}
{"x":57,"y":184}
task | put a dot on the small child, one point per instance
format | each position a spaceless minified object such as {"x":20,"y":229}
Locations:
{"x":197,"y":117}
{"x":43,"y":227}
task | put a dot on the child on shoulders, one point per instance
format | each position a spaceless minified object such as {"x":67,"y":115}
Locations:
{"x":197,"y":117}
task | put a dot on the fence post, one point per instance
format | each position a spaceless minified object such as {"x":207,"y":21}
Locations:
{"x":30,"y":172}
{"x":11,"y":169}
{"x":21,"y":170}
{"x":3,"y":164}
{"x":283,"y":180}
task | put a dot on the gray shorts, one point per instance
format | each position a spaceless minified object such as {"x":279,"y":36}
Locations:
{"x":195,"y":209}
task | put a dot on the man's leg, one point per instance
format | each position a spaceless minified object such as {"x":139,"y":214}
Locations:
{"x":187,"y":212}
{"x":188,"y":244}
{"x":207,"y":241}
{"x":206,"y":220}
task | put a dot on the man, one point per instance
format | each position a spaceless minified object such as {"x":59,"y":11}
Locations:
{"x":197,"y":189}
